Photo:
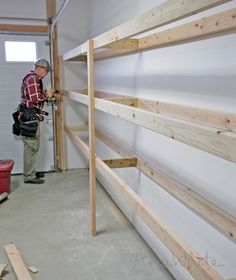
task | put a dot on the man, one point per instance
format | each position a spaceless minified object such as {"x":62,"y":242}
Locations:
{"x":32,"y":99}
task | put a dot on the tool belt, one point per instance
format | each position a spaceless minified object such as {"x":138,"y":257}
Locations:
{"x":26,"y":121}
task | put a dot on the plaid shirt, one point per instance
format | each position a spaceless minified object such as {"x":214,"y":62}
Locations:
{"x":32,"y":94}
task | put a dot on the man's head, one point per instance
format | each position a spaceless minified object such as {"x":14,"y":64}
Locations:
{"x":41,"y":67}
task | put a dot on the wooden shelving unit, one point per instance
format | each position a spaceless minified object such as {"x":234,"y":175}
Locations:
{"x":211,"y":131}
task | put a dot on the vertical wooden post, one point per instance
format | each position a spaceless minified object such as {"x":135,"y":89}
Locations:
{"x":92,"y":163}
{"x":51,"y":12}
{"x":60,"y":121}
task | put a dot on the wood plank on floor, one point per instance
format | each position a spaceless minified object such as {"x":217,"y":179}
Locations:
{"x":17,"y":263}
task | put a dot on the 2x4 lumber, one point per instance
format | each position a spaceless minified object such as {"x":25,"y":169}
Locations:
{"x":103,"y":94}
{"x":215,"y":141}
{"x":192,"y":261}
{"x":125,"y":100}
{"x":212,"y":118}
{"x":78,"y":51}
{"x":169,"y":11}
{"x":23,"y":28}
{"x":59,"y":123}
{"x":79,"y":127}
{"x":211,"y":25}
{"x":92,"y":163}
{"x":206,"y":117}
{"x":132,"y":44}
{"x":214,"y":214}
{"x":17,"y":263}
{"x":81,"y":145}
{"x":222,"y":22}
{"x":33,"y":269}
{"x":217,"y":119}
{"x":121,"y":162}
{"x":57,"y":78}
{"x":51,"y":8}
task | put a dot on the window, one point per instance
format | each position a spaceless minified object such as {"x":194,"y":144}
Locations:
{"x":20,"y":51}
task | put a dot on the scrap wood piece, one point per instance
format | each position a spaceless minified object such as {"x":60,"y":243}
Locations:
{"x":2,"y":267}
{"x":121,"y":162}
{"x":17,"y":263}
{"x":33,"y":269}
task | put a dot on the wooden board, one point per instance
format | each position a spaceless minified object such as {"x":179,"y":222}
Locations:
{"x":203,"y":116}
{"x":125,"y":100}
{"x":169,"y":11}
{"x":208,"y":117}
{"x":23,"y":28}
{"x":121,"y":162}
{"x":212,"y":213}
{"x":92,"y":163}
{"x":132,"y":44}
{"x":79,"y":127}
{"x":215,"y":141}
{"x":17,"y":263}
{"x":195,"y":30}
{"x":191,"y":260}
{"x":33,"y":269}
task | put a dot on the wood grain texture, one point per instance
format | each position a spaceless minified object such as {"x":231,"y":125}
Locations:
{"x":206,"y":209}
{"x":121,"y":162}
{"x":17,"y":263}
{"x":23,"y":28}
{"x":212,"y":140}
{"x":191,"y":260}
{"x":195,"y":30}
{"x":169,"y":11}
{"x":92,"y":163}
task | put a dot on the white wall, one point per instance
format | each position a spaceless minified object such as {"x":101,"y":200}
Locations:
{"x":199,"y":74}
{"x":72,"y":31}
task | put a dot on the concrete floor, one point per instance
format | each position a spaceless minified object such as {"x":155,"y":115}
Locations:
{"x":49,"y":224}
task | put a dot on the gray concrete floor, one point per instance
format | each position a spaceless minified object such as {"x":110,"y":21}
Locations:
{"x":49,"y":224}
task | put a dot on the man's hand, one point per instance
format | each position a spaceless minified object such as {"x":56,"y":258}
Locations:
{"x":50,"y":92}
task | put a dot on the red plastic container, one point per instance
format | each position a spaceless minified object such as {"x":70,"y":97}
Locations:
{"x":6,"y":166}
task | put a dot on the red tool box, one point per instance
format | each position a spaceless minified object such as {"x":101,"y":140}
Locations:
{"x":6,"y":166}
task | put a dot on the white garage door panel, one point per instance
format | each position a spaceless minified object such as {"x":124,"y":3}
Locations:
{"x":11,"y":75}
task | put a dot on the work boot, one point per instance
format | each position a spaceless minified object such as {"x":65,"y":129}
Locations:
{"x":35,"y":181}
{"x":39,"y":174}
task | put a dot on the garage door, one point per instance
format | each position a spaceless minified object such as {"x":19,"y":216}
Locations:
{"x":11,"y":74}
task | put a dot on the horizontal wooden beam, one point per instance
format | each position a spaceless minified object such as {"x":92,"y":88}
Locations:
{"x":212,"y":118}
{"x":131,"y":44}
{"x":82,"y":146}
{"x":121,"y":162}
{"x":215,"y":141}
{"x":192,"y":261}
{"x":78,"y":127}
{"x":169,"y":11}
{"x":206,"y":117}
{"x":125,"y":100}
{"x":78,"y":51}
{"x":23,"y":28}
{"x":212,"y":213}
{"x":218,"y":23}
{"x":211,"y":25}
